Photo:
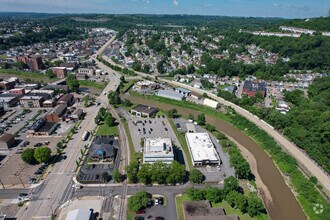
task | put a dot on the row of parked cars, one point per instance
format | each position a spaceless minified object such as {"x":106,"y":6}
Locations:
{"x":41,"y":169}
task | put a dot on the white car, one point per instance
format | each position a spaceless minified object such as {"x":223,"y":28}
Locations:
{"x":156,"y":201}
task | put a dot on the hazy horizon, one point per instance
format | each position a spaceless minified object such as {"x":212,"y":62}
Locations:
{"x":234,"y":8}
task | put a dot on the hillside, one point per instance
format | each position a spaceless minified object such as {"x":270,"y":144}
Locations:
{"x":318,"y":24}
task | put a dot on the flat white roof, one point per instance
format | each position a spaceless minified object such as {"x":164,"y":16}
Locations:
{"x":158,"y":145}
{"x":201,"y":147}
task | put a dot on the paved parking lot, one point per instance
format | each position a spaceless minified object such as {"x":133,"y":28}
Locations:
{"x":149,"y":128}
{"x":212,"y":174}
{"x":14,"y":172}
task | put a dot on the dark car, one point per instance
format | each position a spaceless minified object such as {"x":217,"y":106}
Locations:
{"x":38,"y":172}
{"x":159,"y":218}
{"x":161,"y":200}
{"x":141,"y":212}
{"x":23,"y":194}
{"x":139,"y":218}
{"x":166,"y":129}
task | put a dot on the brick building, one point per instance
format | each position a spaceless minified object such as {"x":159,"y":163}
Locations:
{"x":59,"y":72}
{"x":34,"y":63}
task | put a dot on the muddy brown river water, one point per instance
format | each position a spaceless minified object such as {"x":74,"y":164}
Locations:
{"x":284,"y":205}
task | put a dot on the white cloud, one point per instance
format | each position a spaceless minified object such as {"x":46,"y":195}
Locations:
{"x":175,"y":2}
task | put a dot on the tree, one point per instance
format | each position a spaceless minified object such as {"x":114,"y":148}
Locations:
{"x":159,"y":172}
{"x":127,"y":102}
{"x":50,"y":74}
{"x":20,"y":65}
{"x":114,"y":98}
{"x":177,"y":173}
{"x":196,"y":176}
{"x":255,"y":206}
{"x":105,"y":176}
{"x":116,"y":176}
{"x":42,"y":154}
{"x":138,"y":201}
{"x":237,"y":200}
{"x":230,"y":184}
{"x":72,"y":82}
{"x":191,"y":117}
{"x":214,"y":194}
{"x":201,"y":119}
{"x":210,"y":127}
{"x":122,"y":79}
{"x":144,"y":174}
{"x":195,"y":194}
{"x":110,"y":120}
{"x":132,"y":170}
{"x":28,"y":156}
{"x":173,"y":113}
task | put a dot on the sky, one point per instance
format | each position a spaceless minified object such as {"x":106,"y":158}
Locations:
{"x":246,"y":8}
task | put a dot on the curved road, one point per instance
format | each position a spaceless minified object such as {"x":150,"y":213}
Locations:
{"x":303,"y":159}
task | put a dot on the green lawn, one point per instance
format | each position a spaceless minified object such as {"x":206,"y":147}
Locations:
{"x":183,"y":143}
{"x":104,"y":129}
{"x":33,"y":76}
{"x":88,"y":83}
{"x":179,"y":200}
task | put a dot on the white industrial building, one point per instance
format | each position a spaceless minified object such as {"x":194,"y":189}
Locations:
{"x":202,"y":150}
{"x":171,"y":94}
{"x":158,"y":149}
{"x":211,"y":103}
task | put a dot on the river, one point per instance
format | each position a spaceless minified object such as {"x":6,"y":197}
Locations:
{"x":284,"y":204}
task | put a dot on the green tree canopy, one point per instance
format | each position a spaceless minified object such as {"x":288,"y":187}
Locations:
{"x":230,"y":184}
{"x":72,"y":82}
{"x":28,"y":156}
{"x":196,"y":176}
{"x":138,"y":201}
{"x":42,"y":154}
{"x":116,"y":176}
{"x":201,"y":119}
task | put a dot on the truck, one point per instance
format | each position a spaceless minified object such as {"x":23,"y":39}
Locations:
{"x":85,"y":136}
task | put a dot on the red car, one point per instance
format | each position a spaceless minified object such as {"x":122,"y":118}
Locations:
{"x":141,"y":212}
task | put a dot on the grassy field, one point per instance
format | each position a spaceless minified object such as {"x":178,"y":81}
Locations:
{"x":179,"y":200}
{"x":104,"y":129}
{"x":133,"y":154}
{"x":183,"y":143}
{"x":33,"y":76}
{"x":88,"y":83}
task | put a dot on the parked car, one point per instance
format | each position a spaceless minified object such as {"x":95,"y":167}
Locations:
{"x":32,"y":181}
{"x":156,"y":201}
{"x":159,"y":218}
{"x":141,"y":212}
{"x":139,"y":218}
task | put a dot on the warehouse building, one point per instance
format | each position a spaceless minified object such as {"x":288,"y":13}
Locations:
{"x":171,"y":95}
{"x":183,"y":91}
{"x":158,"y":149}
{"x":211,"y":103}
{"x":143,"y":111}
{"x":202,"y":150}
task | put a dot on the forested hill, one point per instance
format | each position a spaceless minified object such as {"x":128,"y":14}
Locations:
{"x":308,"y":123}
{"x":318,"y":24}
